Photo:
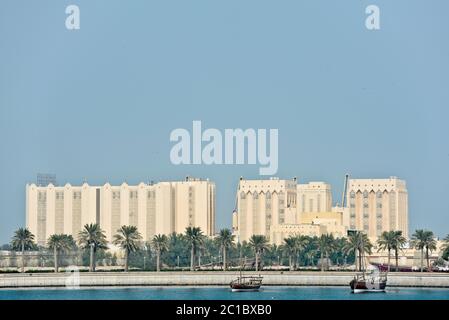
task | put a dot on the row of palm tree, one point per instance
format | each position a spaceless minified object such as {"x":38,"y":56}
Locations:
{"x":60,"y":243}
{"x":392,"y":240}
{"x":196,"y":240}
{"x":425,"y":240}
{"x":324,"y":248}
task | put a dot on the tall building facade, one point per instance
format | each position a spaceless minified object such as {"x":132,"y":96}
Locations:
{"x":378,"y":205}
{"x":314,"y":197}
{"x":272,"y":208}
{"x":262,"y":205}
{"x":160,"y":208}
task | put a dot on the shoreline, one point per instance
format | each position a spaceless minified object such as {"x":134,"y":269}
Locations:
{"x":204,"y":279}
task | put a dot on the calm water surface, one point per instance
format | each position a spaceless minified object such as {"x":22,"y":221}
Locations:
{"x":221,"y":293}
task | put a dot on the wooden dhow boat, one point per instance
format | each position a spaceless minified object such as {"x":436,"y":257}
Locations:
{"x":374,"y":281}
{"x":246,"y":283}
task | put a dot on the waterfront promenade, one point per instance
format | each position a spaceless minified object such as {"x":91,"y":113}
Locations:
{"x":100,"y":279}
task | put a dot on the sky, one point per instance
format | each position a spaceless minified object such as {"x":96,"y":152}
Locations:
{"x":99,"y":103}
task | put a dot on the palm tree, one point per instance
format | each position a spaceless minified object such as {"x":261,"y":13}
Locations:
{"x":311,"y":250}
{"x":22,"y":240}
{"x":423,"y":239}
{"x":301,"y":243}
{"x":92,"y":238}
{"x":359,"y":244}
{"x":310,"y":256}
{"x":176,"y":252}
{"x":430,"y":246}
{"x":340,"y":244}
{"x":289,"y":246}
{"x":386,"y":242}
{"x":127,"y":238}
{"x":195,"y":238}
{"x":445,"y":246}
{"x":58,"y":243}
{"x":259,"y":244}
{"x":225,"y":240}
{"x":326,"y":244}
{"x":160,"y":243}
{"x":398,"y":243}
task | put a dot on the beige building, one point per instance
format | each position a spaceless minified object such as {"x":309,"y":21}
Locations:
{"x":377,"y":205}
{"x":331,"y":222}
{"x":282,"y":231}
{"x":262,"y":205}
{"x":160,"y":208}
{"x":272,"y":208}
{"x":407,"y":257}
{"x":314,"y":197}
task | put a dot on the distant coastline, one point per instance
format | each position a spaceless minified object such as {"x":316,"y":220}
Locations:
{"x":108,"y":279}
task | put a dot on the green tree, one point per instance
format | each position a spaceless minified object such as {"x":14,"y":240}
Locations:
{"x":386,"y":242}
{"x":212,"y":252}
{"x":358,"y":244}
{"x":311,"y":250}
{"x":423,"y":240}
{"x":398,"y":243}
{"x":160,"y":244}
{"x":301,"y":243}
{"x":338,"y":255}
{"x":178,"y":251}
{"x":59,"y":243}
{"x":22,"y":240}
{"x":127,"y":238}
{"x":326,"y":244}
{"x":259,"y":244}
{"x":195,"y":238}
{"x":445,"y":248}
{"x":273,"y":256}
{"x":225,"y":240}
{"x":94,"y":239}
{"x":289,"y":246}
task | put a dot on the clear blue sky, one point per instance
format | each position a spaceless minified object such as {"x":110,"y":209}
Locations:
{"x":100,"y":102}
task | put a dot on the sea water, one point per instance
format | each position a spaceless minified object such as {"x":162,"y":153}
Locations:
{"x":221,"y":293}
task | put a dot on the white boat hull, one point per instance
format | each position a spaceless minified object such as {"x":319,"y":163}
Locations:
{"x":245,"y":290}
